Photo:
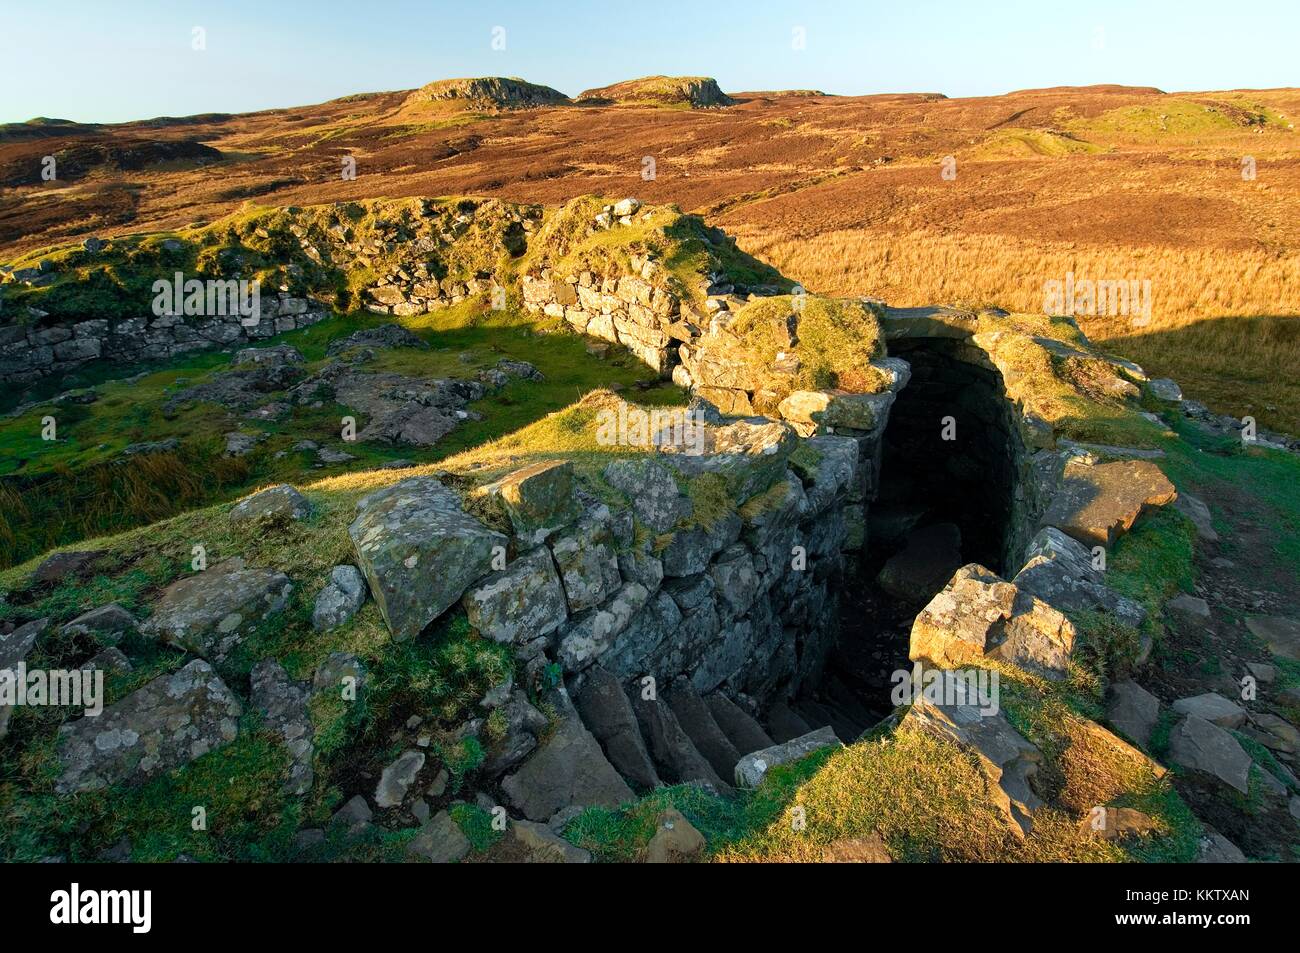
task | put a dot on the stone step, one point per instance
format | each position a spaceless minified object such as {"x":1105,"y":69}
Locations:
{"x":745,"y":733}
{"x":675,"y":755}
{"x":784,"y":724}
{"x":819,"y":714}
{"x":697,"y":721}
{"x":607,"y":713}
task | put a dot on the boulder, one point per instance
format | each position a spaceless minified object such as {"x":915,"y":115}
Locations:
{"x":828,"y":410}
{"x":355,"y":815}
{"x":1114,"y":823}
{"x":1214,"y":708}
{"x":440,"y":841}
{"x":1189,"y":608}
{"x":419,"y":551}
{"x":13,"y":651}
{"x":210,"y":612}
{"x":588,"y":564}
{"x":753,"y":767}
{"x":280,"y":502}
{"x":1005,"y":756}
{"x":926,"y":562}
{"x":978,"y":615}
{"x":656,"y":498}
{"x":1059,"y":570}
{"x":1196,"y":511}
{"x":1097,"y":502}
{"x":55,"y":568}
{"x":107,"y":623}
{"x":538,"y":844}
{"x":522,"y":602}
{"x":1214,"y":848}
{"x":608,"y":714}
{"x":283,"y":705}
{"x":1280,"y":634}
{"x":675,"y":840}
{"x":538,"y":499}
{"x":395,"y":781}
{"x":569,"y":770}
{"x":524,"y":725}
{"x":1166,"y":389}
{"x":1133,"y":710}
{"x":169,"y":722}
{"x":1205,"y":747}
{"x":340,"y":600}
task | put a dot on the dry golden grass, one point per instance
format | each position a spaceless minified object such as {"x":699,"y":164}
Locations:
{"x":1223,"y":322}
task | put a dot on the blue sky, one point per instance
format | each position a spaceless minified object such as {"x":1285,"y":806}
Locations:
{"x":92,"y":60}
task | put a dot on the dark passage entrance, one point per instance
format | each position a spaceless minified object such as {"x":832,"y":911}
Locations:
{"x":945,"y":499}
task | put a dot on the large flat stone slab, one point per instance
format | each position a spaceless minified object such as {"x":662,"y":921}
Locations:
{"x":979,"y":615}
{"x":210,"y":612}
{"x":1202,"y":746}
{"x":1097,"y":503}
{"x":569,"y":770}
{"x":1005,"y":756}
{"x":419,"y":551}
{"x":522,"y":602}
{"x":167,"y":723}
{"x":1282,"y":635}
{"x":753,"y":767}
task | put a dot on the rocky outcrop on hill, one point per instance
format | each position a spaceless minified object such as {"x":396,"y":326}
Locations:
{"x":697,"y":92}
{"x":487,"y":94}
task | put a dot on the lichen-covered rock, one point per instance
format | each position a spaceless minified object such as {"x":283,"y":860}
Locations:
{"x":340,"y":600}
{"x":210,"y":612}
{"x":1097,"y":502}
{"x":538,"y":498}
{"x":280,"y":502}
{"x":524,"y":725}
{"x":13,"y":650}
{"x":979,"y":615}
{"x":690,"y":549}
{"x":753,"y":767}
{"x":440,"y":841}
{"x":825,"y":411}
{"x":569,"y":770}
{"x":522,"y":602}
{"x":283,"y":704}
{"x":834,"y":472}
{"x":588,"y":563}
{"x":1059,"y":570}
{"x":396,"y":779}
{"x":749,"y":454}
{"x":1005,"y":756}
{"x":656,"y":498}
{"x":169,"y":722}
{"x":420,"y":551}
{"x":590,"y":635}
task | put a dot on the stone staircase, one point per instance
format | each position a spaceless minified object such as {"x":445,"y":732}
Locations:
{"x":679,"y":736}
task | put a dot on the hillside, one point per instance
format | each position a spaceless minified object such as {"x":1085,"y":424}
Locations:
{"x":845,"y":191}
